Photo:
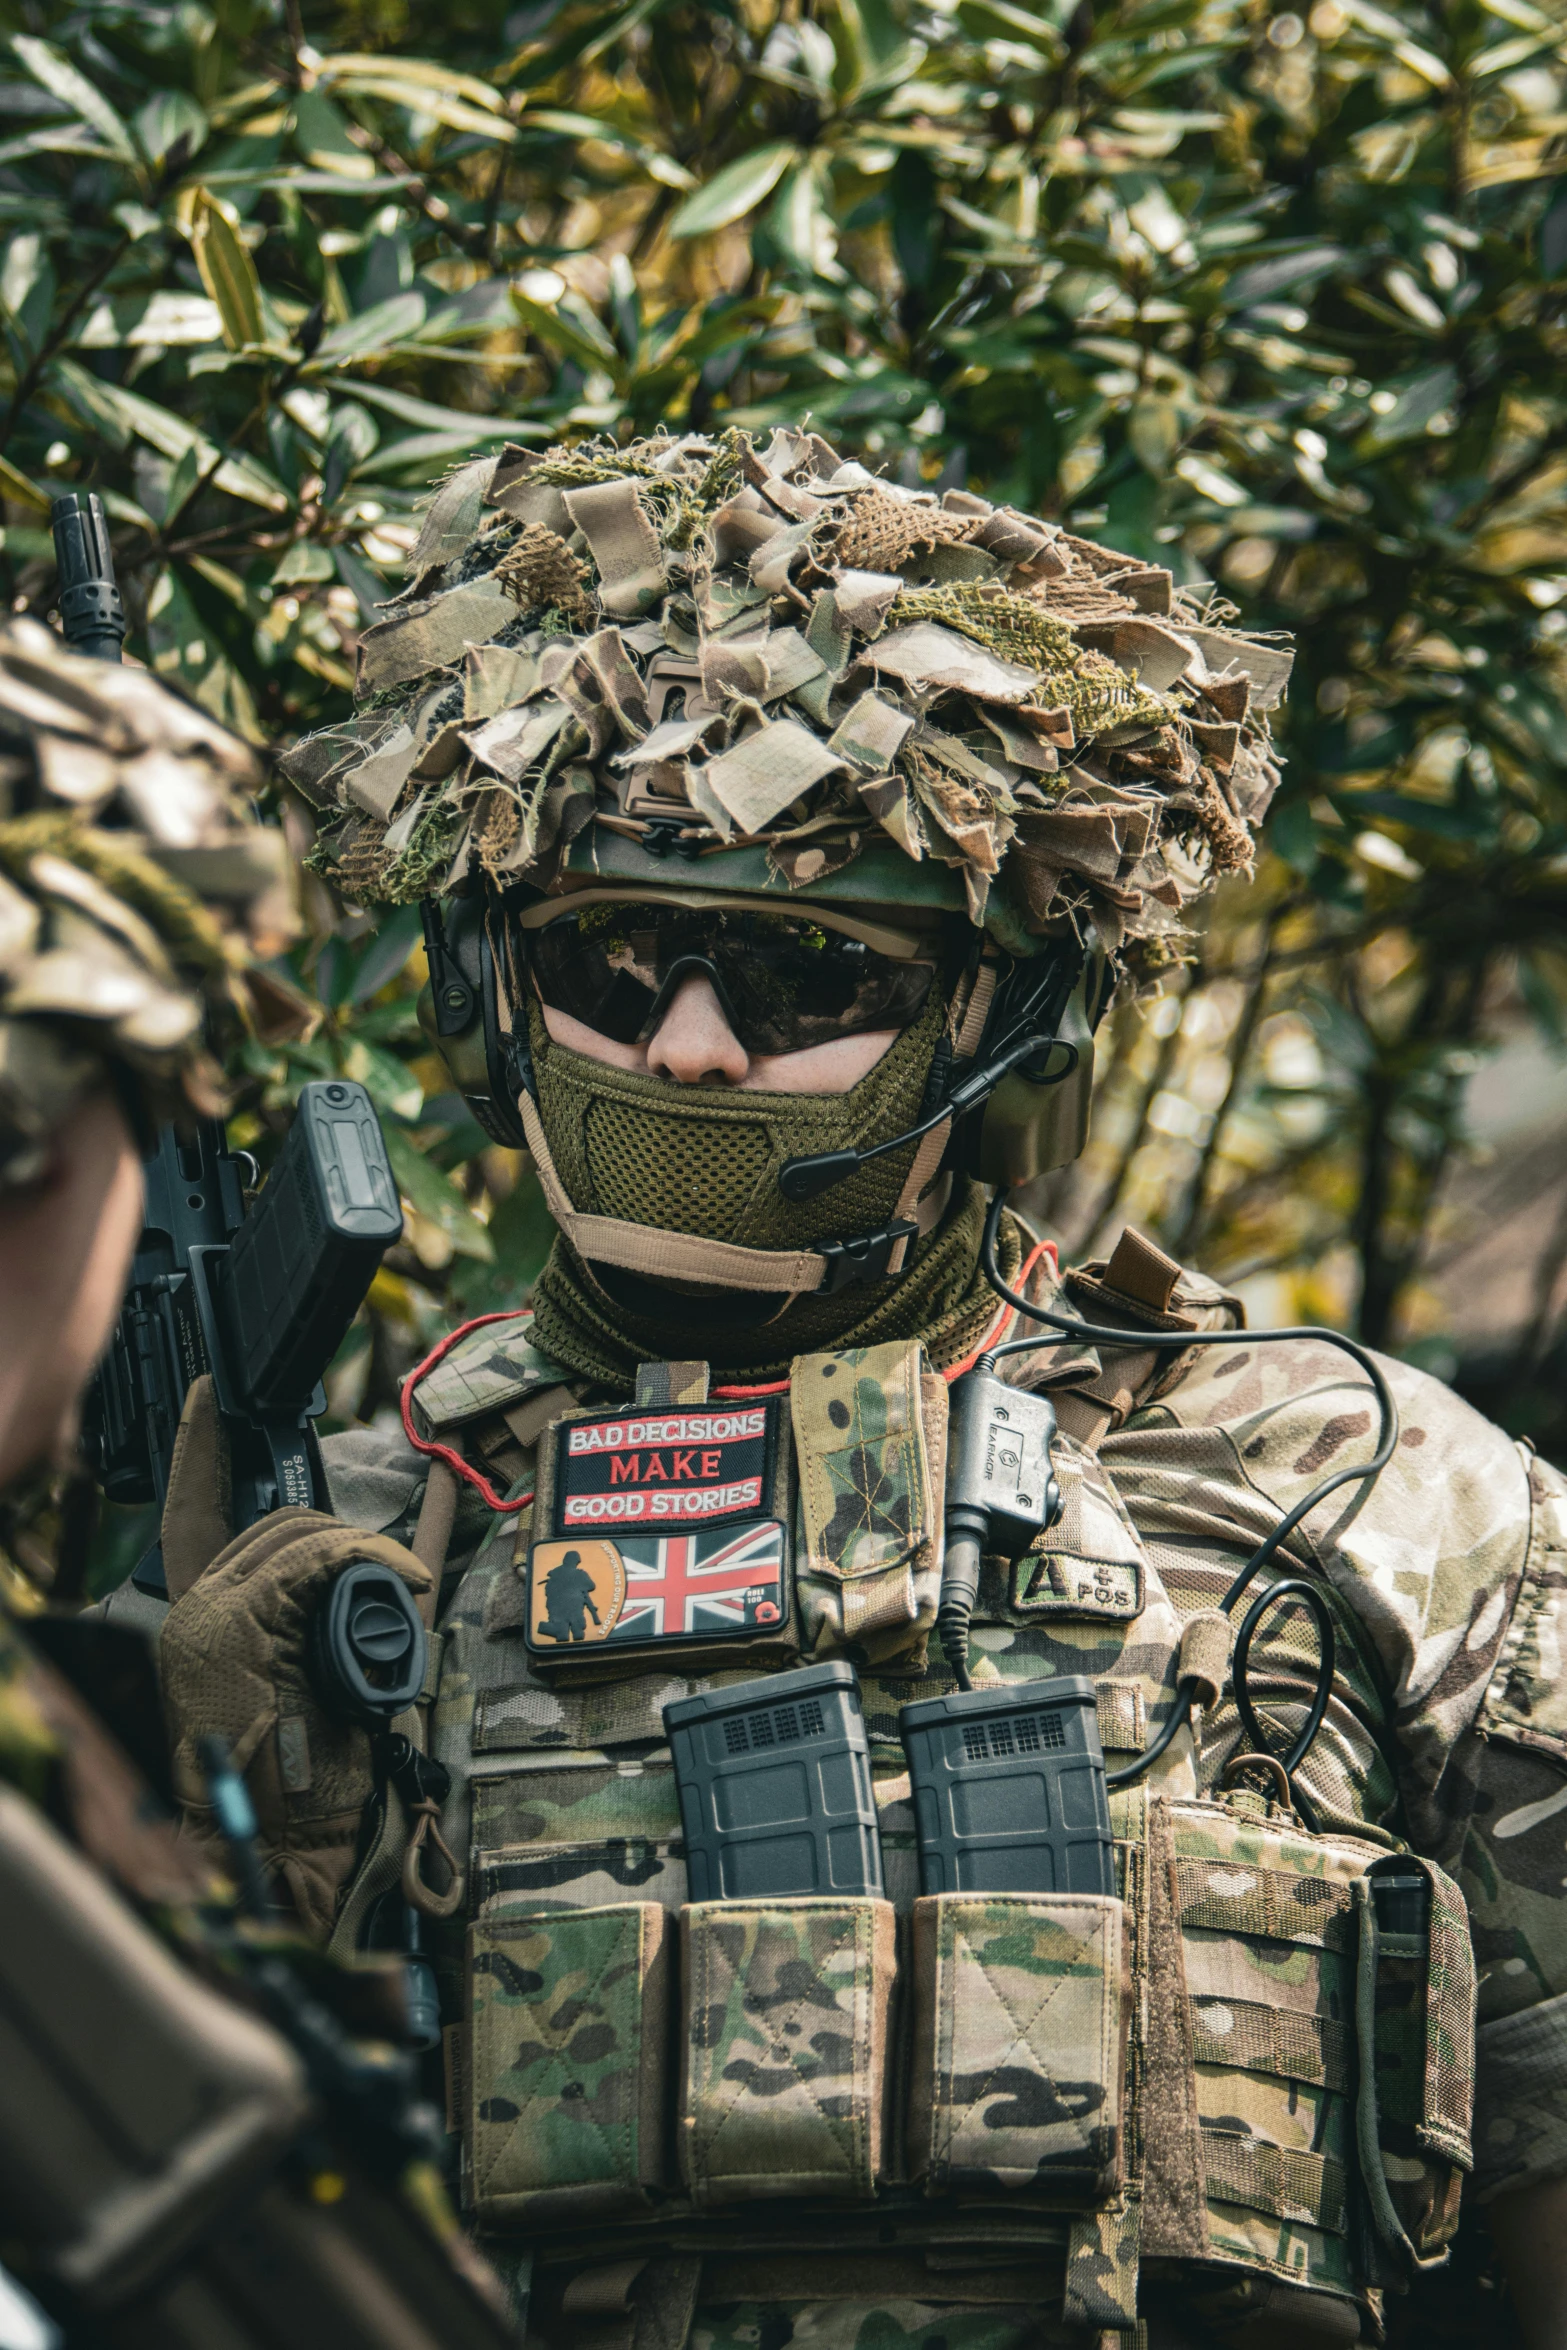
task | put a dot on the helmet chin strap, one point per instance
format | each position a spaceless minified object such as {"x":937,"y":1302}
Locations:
{"x":723,"y":1264}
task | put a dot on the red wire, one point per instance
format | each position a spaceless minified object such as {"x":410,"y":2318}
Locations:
{"x":728,"y":1394}
{"x":444,"y":1452}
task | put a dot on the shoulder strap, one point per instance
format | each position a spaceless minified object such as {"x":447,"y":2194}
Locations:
{"x":1146,"y":1289}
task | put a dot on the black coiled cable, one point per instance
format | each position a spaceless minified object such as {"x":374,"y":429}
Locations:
{"x":1293,"y":1589}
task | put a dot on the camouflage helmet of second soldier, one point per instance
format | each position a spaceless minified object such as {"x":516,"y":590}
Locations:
{"x":136,"y":887}
{"x":866,"y":756}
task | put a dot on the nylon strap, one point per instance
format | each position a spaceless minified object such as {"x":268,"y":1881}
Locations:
{"x":1278,"y":2041}
{"x":681,"y":1256}
{"x":1287,"y":2182}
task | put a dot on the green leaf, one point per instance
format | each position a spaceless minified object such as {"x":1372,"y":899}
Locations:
{"x":734,"y":191}
{"x":372,"y":330}
{"x":446,"y":420}
{"x":15,"y":484}
{"x":429,"y":1193}
{"x":321,"y":135}
{"x":567,"y":328}
{"x":387,"y":954}
{"x":1265,"y":280}
{"x":304,"y":564}
{"x":523,"y":1233}
{"x":370,"y":590}
{"x":227,"y":271}
{"x":1418,"y":398}
{"x":186,"y":474}
{"x":168,"y":117}
{"x":59,"y":76}
{"x":110,"y":408}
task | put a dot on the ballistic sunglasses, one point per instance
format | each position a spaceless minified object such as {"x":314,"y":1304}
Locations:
{"x":785,"y":981}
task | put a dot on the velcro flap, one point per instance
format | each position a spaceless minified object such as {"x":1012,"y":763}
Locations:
{"x":1020,"y":2010}
{"x":489,"y":1367}
{"x":785,"y":2047}
{"x":566,"y":2084}
{"x":1090,"y":1562}
{"x":859,"y":1436}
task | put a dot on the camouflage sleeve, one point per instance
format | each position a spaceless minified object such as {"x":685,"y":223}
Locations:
{"x":375,"y":1479}
{"x":1512,"y":1873}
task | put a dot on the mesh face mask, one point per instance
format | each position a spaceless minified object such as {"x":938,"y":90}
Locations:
{"x":705,"y":1160}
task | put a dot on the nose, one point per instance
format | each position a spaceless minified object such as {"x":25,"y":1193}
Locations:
{"x":693,"y":1043}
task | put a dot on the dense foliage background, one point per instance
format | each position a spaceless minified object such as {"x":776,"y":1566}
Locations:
{"x":1274,"y":297}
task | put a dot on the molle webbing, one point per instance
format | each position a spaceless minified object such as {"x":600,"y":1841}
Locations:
{"x":1286,"y":2181}
{"x":1273,"y":1903}
{"x":1260,"y":2039}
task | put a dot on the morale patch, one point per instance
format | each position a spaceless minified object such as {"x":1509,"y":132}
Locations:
{"x":663,"y":1468}
{"x":663,"y":1528}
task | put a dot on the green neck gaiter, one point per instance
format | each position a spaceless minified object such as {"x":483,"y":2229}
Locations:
{"x":941,"y":1297}
{"x":706,"y":1159}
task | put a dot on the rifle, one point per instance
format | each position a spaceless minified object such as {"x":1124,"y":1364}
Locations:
{"x":257,"y":1297}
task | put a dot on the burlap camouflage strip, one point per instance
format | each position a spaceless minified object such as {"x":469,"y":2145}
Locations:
{"x":136,"y":886}
{"x":743,"y":643}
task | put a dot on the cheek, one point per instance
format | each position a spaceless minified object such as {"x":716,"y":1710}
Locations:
{"x":822,"y":1068}
{"x":577,"y":1037}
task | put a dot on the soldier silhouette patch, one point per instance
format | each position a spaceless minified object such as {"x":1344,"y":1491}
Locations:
{"x":659,"y":1528}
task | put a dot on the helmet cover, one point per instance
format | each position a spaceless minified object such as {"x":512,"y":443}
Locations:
{"x":136,"y":887}
{"x":716,"y":664}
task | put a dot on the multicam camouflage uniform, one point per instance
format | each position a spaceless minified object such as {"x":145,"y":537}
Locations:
{"x":974,"y":2121}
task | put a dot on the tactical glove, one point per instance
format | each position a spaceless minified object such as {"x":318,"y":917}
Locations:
{"x":234,"y":1664}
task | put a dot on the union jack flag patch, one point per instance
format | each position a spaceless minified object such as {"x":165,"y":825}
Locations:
{"x":652,"y":1536}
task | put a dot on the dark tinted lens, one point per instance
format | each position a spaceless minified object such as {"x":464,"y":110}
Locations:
{"x":601,"y":967}
{"x":787,"y":982}
{"x":793,"y":984}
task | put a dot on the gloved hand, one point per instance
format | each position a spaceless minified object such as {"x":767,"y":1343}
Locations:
{"x":234,"y":1664}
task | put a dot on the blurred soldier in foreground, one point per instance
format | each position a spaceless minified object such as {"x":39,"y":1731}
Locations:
{"x":207,"y":2134}
{"x":794,"y":831}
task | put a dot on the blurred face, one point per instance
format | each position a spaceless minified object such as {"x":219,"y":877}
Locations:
{"x":65,"y":1252}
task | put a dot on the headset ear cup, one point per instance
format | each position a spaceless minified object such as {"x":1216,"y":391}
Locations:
{"x":496,"y":1109}
{"x":463,"y":1054}
{"x":1028,"y":1129}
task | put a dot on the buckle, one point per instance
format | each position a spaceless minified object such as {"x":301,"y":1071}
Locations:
{"x":864,"y":1258}
{"x":418,"y":1778}
{"x":665,"y":833}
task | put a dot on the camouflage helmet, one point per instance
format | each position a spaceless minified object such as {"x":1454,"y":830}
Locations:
{"x":721,"y":670}
{"x":715,"y":664}
{"x":136,"y":885}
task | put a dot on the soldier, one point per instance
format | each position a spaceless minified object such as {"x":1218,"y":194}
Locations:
{"x":194,"y":2147}
{"x":568,"y":1591}
{"x":134,"y":894}
{"x":795,"y":829}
